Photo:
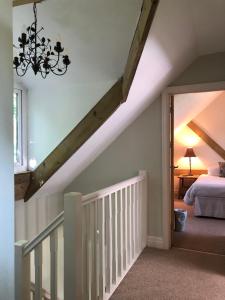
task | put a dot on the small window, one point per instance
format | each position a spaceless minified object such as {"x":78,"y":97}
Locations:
{"x":18,"y":127}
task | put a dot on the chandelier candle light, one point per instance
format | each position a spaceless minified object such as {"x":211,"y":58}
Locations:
{"x":37,"y":53}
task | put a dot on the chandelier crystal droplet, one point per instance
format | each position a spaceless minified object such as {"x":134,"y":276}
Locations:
{"x":37,"y":53}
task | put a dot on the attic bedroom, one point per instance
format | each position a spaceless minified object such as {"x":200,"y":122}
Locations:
{"x":199,"y":177}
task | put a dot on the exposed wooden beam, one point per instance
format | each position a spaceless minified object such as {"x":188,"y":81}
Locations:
{"x":22,"y":2}
{"x":77,"y":137}
{"x":207,"y":139}
{"x":22,"y":181}
{"x":144,"y":24}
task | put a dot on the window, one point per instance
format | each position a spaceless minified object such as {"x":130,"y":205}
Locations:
{"x":19,"y":131}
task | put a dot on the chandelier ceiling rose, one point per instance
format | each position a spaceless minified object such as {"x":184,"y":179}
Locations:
{"x":37,"y":53}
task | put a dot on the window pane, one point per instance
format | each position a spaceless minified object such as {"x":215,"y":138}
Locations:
{"x":17,"y":126}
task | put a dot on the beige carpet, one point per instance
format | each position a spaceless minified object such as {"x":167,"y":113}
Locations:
{"x":203,"y":234}
{"x":174,"y":275}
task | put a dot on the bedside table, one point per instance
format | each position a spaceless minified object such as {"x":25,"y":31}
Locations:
{"x":184,"y":183}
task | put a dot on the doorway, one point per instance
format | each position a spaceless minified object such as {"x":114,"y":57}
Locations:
{"x":201,"y":233}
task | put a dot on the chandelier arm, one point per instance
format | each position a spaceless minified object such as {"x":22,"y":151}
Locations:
{"x":59,"y":74}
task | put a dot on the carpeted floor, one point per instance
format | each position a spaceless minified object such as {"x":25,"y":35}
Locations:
{"x":203,"y":234}
{"x":174,"y":275}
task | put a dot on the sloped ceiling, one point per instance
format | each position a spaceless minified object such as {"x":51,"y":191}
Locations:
{"x":179,"y":35}
{"x":188,"y":106}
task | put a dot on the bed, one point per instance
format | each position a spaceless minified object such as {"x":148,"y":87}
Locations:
{"x":207,"y":194}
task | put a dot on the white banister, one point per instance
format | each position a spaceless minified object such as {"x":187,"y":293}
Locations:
{"x":104,"y":233}
{"x":54,"y":264}
{"x":73,"y":246}
{"x":144,"y":206}
{"x":22,"y":272}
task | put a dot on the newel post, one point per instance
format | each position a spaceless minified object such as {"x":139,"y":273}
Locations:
{"x":145,"y":196}
{"x":73,"y":246}
{"x":22,"y":272}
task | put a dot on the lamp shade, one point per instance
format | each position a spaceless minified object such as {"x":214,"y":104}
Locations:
{"x":189,"y":152}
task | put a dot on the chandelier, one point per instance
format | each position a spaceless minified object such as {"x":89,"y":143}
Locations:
{"x":37,"y":53}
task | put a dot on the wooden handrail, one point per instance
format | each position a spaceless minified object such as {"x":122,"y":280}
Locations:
{"x":44,"y":234}
{"x":112,"y":189}
{"x":102,"y":110}
{"x":207,"y":139}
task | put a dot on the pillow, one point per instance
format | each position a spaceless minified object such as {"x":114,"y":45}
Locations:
{"x":214,"y":171}
{"x":222,"y":168}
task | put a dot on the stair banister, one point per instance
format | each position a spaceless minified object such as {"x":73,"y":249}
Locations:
{"x":104,"y":233}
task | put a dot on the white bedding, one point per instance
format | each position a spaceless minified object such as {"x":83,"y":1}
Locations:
{"x":207,"y":194}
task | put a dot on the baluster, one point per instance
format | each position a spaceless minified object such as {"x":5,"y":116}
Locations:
{"x":22,"y":272}
{"x":54,"y":264}
{"x":133,"y":220}
{"x":120,"y":233}
{"x":89,"y":253}
{"x":129,"y":225}
{"x":101,"y":230}
{"x":137,"y":218}
{"x":93,"y":222}
{"x":73,"y":246}
{"x":114,"y":240}
{"x":109,"y":244}
{"x":38,"y":272}
{"x":144,"y":207}
{"x":125,"y":229}
{"x":85,"y":252}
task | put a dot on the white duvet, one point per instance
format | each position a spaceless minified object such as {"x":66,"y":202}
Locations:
{"x":207,"y":194}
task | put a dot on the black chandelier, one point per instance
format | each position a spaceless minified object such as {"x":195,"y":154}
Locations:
{"x":37,"y":53}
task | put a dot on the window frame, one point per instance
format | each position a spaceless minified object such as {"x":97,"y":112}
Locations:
{"x":21,"y":165}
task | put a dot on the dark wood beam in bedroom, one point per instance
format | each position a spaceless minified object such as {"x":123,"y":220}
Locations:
{"x":207,"y":139}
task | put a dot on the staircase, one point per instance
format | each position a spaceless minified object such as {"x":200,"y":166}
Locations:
{"x":104,"y":233}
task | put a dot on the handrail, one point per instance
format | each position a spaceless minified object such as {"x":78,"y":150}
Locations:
{"x":44,"y":234}
{"x":112,"y":189}
{"x":85,"y":200}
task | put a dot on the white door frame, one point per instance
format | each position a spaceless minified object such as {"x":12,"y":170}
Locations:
{"x":166,"y":195}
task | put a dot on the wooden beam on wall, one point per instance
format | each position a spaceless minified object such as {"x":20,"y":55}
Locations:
{"x":141,"y":34}
{"x":207,"y":139}
{"x":23,"y":2}
{"x":77,"y":137}
{"x":22,"y":181}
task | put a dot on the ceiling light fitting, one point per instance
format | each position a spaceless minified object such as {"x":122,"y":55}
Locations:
{"x":36,"y":52}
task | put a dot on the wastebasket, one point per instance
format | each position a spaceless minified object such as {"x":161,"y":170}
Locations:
{"x":180,"y":216}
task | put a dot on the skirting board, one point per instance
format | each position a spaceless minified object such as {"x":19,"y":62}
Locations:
{"x":155,"y":242}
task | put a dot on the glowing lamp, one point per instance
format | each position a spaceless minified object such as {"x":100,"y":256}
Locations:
{"x":189,"y":153}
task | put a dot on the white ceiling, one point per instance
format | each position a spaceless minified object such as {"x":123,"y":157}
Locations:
{"x":182,"y":30}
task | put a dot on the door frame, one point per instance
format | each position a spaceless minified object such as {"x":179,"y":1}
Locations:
{"x":166,"y":160}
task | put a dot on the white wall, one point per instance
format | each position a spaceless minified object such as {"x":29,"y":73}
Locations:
{"x":6,"y":155}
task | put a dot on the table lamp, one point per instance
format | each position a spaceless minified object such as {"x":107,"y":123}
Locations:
{"x":189,"y":153}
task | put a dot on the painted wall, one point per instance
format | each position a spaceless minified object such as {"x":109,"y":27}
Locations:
{"x":137,"y":148}
{"x":140,"y":145}
{"x":6,"y":155}
{"x":55,"y":110}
